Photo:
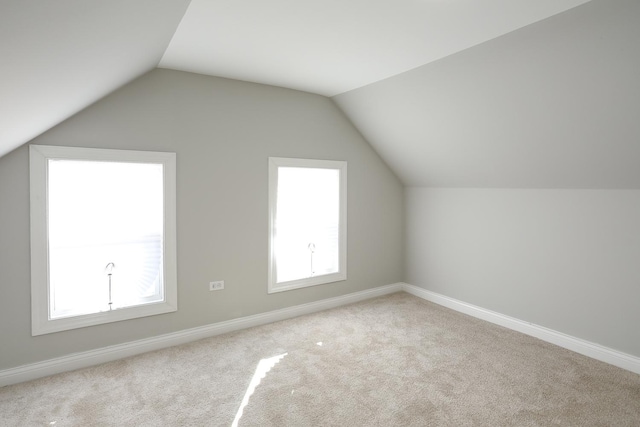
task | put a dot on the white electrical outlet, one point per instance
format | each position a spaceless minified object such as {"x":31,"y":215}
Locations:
{"x":216,"y":286}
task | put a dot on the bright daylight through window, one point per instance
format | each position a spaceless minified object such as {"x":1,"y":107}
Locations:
{"x":103,"y":236}
{"x":307,"y":221}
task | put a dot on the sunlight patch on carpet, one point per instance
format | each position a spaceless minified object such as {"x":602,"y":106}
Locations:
{"x":264,"y":366}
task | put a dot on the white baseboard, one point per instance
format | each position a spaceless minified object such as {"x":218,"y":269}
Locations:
{"x":595,"y":351}
{"x":119,"y":351}
{"x":115,"y":352}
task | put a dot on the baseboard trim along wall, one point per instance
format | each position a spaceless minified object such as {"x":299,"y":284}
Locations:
{"x":119,"y":351}
{"x":589,"y":349}
{"x":115,"y":352}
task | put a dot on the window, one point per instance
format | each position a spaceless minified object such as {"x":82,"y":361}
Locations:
{"x":103,"y":244}
{"x":307,"y":223}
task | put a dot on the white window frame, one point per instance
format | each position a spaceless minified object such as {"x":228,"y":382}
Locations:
{"x":39,"y":156}
{"x":341,"y":166}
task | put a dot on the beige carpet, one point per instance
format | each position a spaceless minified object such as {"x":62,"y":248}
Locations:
{"x":390,"y":361}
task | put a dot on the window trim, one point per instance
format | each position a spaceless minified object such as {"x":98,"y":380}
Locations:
{"x":38,"y":163}
{"x":276,"y":162}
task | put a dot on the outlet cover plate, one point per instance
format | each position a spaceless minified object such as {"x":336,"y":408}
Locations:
{"x":217,"y":285}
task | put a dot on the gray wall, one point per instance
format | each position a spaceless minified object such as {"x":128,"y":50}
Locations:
{"x":568,"y":260}
{"x":223,"y":131}
{"x":555,"y":106}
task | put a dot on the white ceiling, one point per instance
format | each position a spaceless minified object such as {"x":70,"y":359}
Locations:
{"x":58,"y":57}
{"x":333,"y":46}
{"x":552,"y":105}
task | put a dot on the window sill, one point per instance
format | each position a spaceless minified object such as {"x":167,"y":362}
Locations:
{"x":66,"y":323}
{"x":307,"y":282}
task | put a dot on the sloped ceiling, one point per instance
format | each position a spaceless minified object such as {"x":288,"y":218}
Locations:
{"x":332,"y":46}
{"x":552,"y":105}
{"x":498,"y":93}
{"x":57,"y":57}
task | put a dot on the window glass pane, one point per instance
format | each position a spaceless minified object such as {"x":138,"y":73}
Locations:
{"x":98,"y":213}
{"x":307,"y":223}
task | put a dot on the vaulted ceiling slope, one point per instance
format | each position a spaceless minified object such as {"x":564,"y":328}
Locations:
{"x":332,"y":46}
{"x":552,"y":105}
{"x":60,"y":56}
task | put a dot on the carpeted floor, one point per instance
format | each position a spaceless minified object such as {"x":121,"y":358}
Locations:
{"x":391,"y":361}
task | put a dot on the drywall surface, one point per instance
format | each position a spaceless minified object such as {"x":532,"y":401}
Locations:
{"x":567,"y":260}
{"x":223,"y":132}
{"x":59,"y":57}
{"x":551,"y":105}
